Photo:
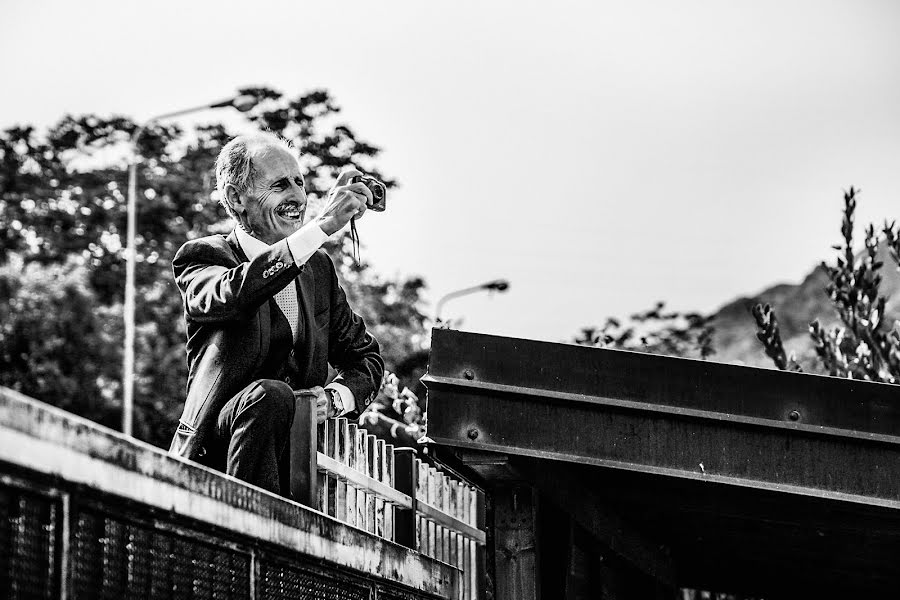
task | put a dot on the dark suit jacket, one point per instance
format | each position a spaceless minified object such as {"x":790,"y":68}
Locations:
{"x":226,"y":307}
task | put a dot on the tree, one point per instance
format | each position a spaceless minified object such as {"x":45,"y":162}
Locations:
{"x":863,"y":345}
{"x":62,"y":218}
{"x":655,"y":331}
{"x":54,"y":338}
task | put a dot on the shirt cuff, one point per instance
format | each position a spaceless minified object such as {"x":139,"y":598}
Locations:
{"x":304,"y":242}
{"x":347,"y":397}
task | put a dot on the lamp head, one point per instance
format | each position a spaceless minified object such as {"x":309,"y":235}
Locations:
{"x":244,"y":102}
{"x":499,"y":285}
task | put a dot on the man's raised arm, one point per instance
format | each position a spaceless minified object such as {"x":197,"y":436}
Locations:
{"x":216,"y":286}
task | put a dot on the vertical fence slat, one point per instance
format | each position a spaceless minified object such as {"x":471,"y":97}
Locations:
{"x":372,"y":452}
{"x":361,"y":462}
{"x":432,"y":500}
{"x":452,"y":510}
{"x":341,"y":426}
{"x":378,"y":475}
{"x":441,"y":533}
{"x":388,"y":477}
{"x":460,"y":540}
{"x":421,"y":525}
{"x":445,"y":506}
{"x":331,"y":480}
{"x":467,"y":544}
{"x":479,"y":517}
{"x":352,"y":462}
{"x":321,"y":478}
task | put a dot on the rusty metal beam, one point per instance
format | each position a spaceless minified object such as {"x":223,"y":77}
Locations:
{"x":739,"y":426}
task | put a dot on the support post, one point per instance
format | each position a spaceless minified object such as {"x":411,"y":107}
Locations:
{"x":515,"y":517}
{"x":405,"y":476}
{"x":303,"y":452}
{"x":480,"y":565}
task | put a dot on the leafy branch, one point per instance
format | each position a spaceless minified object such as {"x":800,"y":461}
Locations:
{"x":655,"y":331}
{"x":863,"y":346}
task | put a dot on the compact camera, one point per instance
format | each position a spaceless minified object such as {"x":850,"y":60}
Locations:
{"x":378,"y":189}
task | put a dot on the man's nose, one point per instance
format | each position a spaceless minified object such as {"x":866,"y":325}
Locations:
{"x":299,"y":191}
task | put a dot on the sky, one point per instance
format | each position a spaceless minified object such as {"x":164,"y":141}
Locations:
{"x":599,"y":155}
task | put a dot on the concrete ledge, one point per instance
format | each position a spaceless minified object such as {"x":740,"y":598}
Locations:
{"x":39,"y":437}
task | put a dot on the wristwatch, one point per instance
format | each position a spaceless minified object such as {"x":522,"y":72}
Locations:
{"x":337,"y":405}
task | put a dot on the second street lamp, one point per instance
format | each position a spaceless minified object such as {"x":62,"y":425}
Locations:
{"x":498,"y":285}
{"x":243,"y":103}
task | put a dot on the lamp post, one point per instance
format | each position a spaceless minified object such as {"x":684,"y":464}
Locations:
{"x":243,"y":103}
{"x":498,"y":285}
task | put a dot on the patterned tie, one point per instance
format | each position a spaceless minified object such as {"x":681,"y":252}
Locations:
{"x":287,"y":302}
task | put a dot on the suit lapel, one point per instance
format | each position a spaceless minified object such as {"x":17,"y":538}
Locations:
{"x":306,"y":296}
{"x":264,"y":313}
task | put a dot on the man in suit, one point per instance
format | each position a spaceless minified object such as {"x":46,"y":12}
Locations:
{"x":265,"y":316}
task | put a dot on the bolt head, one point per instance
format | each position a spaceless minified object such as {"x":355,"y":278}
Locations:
{"x":473,"y":434}
{"x":469,"y":374}
{"x":794,"y":416}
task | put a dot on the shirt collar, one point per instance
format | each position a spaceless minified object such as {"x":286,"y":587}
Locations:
{"x":251,"y":246}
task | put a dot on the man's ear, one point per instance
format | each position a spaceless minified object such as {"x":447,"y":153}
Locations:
{"x":234,"y":199}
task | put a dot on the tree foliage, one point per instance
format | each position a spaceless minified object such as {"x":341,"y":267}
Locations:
{"x":655,"y":331}
{"x":863,"y":346}
{"x":62,"y":269}
{"x":54,"y":337}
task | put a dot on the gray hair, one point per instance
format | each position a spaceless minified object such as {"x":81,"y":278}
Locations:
{"x":234,"y":165}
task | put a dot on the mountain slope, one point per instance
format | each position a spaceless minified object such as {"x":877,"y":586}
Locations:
{"x":795,"y":305}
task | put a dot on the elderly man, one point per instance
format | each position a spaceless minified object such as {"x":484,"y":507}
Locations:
{"x":266,"y":316}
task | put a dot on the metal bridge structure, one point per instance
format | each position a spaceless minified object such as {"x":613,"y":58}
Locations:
{"x":555,"y":471}
{"x":88,"y":513}
{"x":616,"y":474}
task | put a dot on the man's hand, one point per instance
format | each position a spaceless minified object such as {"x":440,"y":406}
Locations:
{"x":345,"y":201}
{"x":323,"y":404}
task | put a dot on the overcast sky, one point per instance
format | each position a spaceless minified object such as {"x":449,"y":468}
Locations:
{"x":599,"y":155}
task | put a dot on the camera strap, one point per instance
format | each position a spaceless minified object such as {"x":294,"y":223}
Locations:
{"x":354,"y":238}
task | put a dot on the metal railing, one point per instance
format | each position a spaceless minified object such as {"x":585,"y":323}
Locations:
{"x":347,"y":473}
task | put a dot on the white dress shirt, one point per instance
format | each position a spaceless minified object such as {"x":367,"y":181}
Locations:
{"x":303,"y":243}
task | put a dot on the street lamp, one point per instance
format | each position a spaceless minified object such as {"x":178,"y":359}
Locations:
{"x":498,"y":285}
{"x":243,"y":103}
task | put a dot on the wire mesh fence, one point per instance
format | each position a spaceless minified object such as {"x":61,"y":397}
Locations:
{"x":97,"y":547}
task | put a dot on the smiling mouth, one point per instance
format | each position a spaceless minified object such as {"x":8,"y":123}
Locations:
{"x":291,"y":211}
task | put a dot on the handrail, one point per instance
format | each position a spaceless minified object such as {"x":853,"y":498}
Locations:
{"x":345,"y":472}
{"x":450,"y":522}
{"x":362,"y":481}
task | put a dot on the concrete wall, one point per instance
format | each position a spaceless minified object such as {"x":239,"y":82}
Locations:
{"x":87,"y":512}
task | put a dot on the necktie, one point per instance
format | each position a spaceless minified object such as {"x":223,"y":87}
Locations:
{"x":287,"y":302}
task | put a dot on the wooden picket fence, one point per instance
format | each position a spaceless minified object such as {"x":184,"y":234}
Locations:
{"x":349,"y":474}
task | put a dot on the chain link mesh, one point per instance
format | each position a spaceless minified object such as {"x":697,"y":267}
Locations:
{"x":394,"y":594}
{"x":113,"y":559}
{"x":279,"y":581}
{"x":28,"y":546}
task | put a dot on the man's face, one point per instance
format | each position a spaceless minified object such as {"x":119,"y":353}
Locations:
{"x":276,"y":207}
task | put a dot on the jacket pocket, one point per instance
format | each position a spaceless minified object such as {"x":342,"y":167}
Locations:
{"x":182,"y":439}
